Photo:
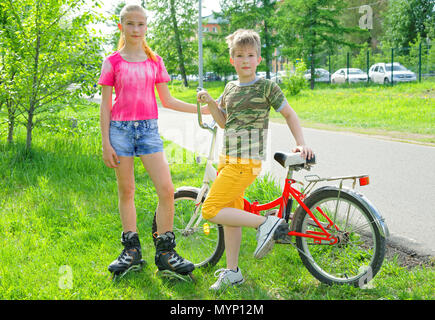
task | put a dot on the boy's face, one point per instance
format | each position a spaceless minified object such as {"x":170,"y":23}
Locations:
{"x":245,"y":60}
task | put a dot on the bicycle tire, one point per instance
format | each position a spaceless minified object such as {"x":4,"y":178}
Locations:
{"x":202,"y":245}
{"x":358,"y":255}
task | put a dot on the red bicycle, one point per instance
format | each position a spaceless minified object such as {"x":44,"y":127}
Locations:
{"x":338,"y":232}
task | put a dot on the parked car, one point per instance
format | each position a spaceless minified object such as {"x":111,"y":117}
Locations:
{"x":192,"y":77}
{"x":355,"y":75}
{"x":210,"y":76}
{"x":321,"y":75}
{"x":381,"y":73}
{"x":261,"y":74}
{"x":277,"y":77}
{"x":231,"y":77}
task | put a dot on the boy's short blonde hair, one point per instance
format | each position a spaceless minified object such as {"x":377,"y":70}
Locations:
{"x":243,"y":38}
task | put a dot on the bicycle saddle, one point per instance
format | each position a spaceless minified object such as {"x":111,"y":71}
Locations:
{"x":292,"y":159}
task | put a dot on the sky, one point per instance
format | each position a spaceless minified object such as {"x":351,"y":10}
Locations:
{"x":207,"y":5}
{"x":107,"y":5}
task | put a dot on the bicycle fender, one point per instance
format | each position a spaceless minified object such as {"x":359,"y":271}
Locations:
{"x":374,"y":212}
{"x":188,"y":188}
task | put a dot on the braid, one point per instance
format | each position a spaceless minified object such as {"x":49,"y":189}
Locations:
{"x":150,"y":53}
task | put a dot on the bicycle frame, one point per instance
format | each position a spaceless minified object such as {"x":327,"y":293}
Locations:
{"x":285,"y":201}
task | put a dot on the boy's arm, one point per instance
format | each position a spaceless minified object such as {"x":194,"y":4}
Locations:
{"x":295,"y":127}
{"x":218,"y":115}
{"x":109,"y":155}
{"x":170,"y":102}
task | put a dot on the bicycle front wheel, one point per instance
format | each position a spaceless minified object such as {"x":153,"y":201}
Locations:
{"x":359,"y":251}
{"x":198,"y":240}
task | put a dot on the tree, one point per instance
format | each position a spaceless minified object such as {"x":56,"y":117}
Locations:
{"x":405,"y":19}
{"x":172,"y":34}
{"x":258,"y":15}
{"x":216,"y":54}
{"x":309,"y":27}
{"x":366,"y":16}
{"x":49,"y":50}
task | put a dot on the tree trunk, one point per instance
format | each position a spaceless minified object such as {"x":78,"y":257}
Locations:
{"x":313,"y":74}
{"x":29,"y":128}
{"x":178,"y":44}
{"x":267,"y":42}
{"x":11,"y":120}
{"x":34,"y":94}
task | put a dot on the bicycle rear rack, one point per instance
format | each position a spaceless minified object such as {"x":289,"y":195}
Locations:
{"x":313,"y":179}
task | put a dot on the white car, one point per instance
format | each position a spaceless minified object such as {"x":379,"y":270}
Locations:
{"x":278,"y":77}
{"x":261,"y":74}
{"x":355,"y":75}
{"x":381,"y":73}
{"x":320,"y":75}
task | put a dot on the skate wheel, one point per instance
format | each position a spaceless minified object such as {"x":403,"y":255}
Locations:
{"x":120,"y":274}
{"x":175,"y":276}
{"x":192,"y":278}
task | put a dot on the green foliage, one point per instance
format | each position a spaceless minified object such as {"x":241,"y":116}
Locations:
{"x":257,"y":15}
{"x":172,"y":34}
{"x":307,"y":28}
{"x":48,"y":55}
{"x":294,"y":82}
{"x":406,"y":19}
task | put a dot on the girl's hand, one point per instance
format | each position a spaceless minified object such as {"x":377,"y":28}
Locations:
{"x":305,"y":151}
{"x":204,"y":97}
{"x":110,"y":157}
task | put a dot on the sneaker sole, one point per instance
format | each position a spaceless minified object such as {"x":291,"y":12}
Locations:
{"x":224,"y":287}
{"x":268,"y":242}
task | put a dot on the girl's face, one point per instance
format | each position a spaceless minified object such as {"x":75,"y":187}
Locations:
{"x":134,"y":26}
{"x":245,"y":60}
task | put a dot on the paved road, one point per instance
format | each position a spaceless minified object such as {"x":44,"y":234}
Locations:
{"x":402,"y":175}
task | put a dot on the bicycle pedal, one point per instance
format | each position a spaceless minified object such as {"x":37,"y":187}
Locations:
{"x":281,"y":232}
{"x":285,"y":240}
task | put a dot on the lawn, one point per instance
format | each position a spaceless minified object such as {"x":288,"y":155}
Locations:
{"x":405,"y":111}
{"x":60,"y":230}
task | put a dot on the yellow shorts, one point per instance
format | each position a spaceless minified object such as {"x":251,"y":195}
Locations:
{"x":228,"y":190}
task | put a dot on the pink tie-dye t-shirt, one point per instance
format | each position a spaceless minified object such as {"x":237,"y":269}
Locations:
{"x":134,"y":83}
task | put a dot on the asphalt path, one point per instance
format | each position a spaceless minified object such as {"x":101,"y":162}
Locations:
{"x":402,"y":175}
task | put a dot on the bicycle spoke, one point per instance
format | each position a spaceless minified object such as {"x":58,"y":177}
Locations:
{"x":356,"y":248}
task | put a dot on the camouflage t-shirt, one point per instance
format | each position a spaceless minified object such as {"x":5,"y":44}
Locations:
{"x":247,"y":107}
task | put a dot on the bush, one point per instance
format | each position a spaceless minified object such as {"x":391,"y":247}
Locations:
{"x":294,"y":81}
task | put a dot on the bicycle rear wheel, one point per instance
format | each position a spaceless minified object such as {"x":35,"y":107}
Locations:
{"x":359,"y":252}
{"x":198,"y":240}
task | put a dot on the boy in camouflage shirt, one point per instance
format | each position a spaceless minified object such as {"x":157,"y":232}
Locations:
{"x":243,"y":111}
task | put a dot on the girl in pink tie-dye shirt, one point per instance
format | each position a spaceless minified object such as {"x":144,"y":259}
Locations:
{"x":129,"y":128}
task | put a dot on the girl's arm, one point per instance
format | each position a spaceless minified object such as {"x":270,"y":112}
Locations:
{"x":109,"y":155}
{"x":295,"y":127}
{"x":170,"y":102}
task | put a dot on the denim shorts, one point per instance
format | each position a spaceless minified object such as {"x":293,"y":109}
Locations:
{"x":135,"y":138}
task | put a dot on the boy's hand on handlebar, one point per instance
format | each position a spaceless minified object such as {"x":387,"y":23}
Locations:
{"x":204,"y":97}
{"x":305,"y":151}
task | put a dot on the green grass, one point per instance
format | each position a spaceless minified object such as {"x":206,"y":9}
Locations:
{"x":58,"y":207}
{"x":405,"y":111}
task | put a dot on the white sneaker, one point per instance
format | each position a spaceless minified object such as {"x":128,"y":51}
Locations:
{"x":265,"y":234}
{"x":227,"y":277}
